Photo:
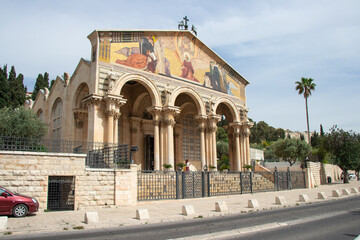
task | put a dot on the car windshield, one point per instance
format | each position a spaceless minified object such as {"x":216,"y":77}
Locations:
{"x":2,"y":188}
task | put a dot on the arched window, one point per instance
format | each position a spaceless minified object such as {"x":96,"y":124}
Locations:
{"x":191,"y":138}
{"x":57,"y":112}
{"x":40,"y":115}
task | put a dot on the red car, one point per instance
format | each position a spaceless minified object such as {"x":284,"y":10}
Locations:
{"x":16,"y":204}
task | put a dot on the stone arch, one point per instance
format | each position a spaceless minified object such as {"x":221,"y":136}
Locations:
{"x":80,"y":113}
{"x":147,"y":83}
{"x":232,"y":107}
{"x":40,"y":114}
{"x":56,"y":118}
{"x":138,"y":102}
{"x":81,"y":92}
{"x":193,"y":94}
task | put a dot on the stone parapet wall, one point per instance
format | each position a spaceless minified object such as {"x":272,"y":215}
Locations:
{"x":28,"y":173}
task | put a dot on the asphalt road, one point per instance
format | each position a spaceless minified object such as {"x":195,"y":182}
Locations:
{"x":336,"y":219}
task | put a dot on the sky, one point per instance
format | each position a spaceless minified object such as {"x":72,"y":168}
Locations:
{"x":272,"y":44}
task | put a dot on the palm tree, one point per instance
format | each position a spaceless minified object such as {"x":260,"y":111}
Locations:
{"x":305,"y":87}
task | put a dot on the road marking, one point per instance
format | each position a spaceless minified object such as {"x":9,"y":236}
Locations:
{"x":258,"y":228}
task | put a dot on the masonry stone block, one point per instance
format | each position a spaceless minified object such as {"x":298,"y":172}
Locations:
{"x":336,"y":193}
{"x":322,"y":195}
{"x":142,"y":214}
{"x":253,"y":203}
{"x":345,"y":192}
{"x":304,"y":198}
{"x":3,"y":223}
{"x":188,"y":210}
{"x":280,"y":200}
{"x":354,"y":190}
{"x":91,"y":217}
{"x":221,"y":206}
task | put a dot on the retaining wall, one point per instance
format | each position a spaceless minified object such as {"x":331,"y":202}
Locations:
{"x":28,"y":173}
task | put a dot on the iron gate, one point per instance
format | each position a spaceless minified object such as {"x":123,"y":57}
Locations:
{"x":156,"y":185}
{"x":61,"y":193}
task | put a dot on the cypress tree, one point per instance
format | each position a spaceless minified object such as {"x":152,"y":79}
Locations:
{"x":321,"y":130}
{"x":4,"y":87}
{"x":20,"y":91}
{"x":42,"y":82}
{"x":12,"y":88}
{"x":38,"y":85}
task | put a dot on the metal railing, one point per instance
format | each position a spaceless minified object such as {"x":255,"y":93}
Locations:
{"x":156,"y":185}
{"x":109,"y":157}
{"x":99,"y":154}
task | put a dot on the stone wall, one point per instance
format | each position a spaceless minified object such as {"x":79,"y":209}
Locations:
{"x":28,"y":173}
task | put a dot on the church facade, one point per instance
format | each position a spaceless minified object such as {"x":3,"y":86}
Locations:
{"x":163,"y":91}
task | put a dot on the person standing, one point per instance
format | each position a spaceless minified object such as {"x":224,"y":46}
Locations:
{"x":187,"y":165}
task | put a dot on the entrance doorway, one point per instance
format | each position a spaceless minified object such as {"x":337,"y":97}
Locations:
{"x":149,"y":152}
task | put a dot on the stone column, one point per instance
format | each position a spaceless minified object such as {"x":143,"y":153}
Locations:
{"x":169,"y":121}
{"x":93,"y":103}
{"x":110,"y":126}
{"x":113,"y":104}
{"x":116,"y":127}
{"x":156,"y":113}
{"x":213,"y":120}
{"x":237,"y":132}
{"x":247,"y":145}
{"x":201,"y":120}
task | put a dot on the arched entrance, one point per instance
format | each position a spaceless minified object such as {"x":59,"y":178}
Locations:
{"x":228,"y":136}
{"x":137,"y":124}
{"x":188,"y":134}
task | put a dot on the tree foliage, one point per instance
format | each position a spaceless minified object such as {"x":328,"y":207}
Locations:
{"x":261,"y":131}
{"x":291,"y":150}
{"x":21,"y":122}
{"x":12,"y":89}
{"x":344,"y":147}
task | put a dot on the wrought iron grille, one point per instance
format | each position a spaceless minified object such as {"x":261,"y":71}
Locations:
{"x":49,"y":145}
{"x":155,"y":185}
{"x":263,"y":182}
{"x":192,"y":185}
{"x":297,"y":180}
{"x":281,"y":181}
{"x":61,"y":193}
{"x":109,"y":157}
{"x":225,"y":183}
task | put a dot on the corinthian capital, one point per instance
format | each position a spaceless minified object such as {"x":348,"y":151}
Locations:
{"x":169,"y":122}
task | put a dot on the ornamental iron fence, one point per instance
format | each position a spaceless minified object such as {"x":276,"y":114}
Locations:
{"x":99,"y":154}
{"x":156,"y":185}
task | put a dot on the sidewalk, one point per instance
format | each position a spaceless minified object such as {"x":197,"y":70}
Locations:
{"x":166,"y":210}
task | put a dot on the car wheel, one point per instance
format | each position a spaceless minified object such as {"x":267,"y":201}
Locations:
{"x":20,"y":210}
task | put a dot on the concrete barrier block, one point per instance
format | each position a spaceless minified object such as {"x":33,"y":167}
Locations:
{"x":253,"y":203}
{"x":3,"y":223}
{"x":221,"y":207}
{"x":336,"y":193}
{"x":345,"y":192}
{"x":142,"y":214}
{"x":280,"y":200}
{"x":322,"y":195}
{"x":354,"y":190}
{"x":304,"y":198}
{"x":188,"y":210}
{"x":91,"y":217}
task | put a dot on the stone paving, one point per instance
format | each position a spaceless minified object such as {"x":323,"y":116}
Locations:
{"x":171,"y":210}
